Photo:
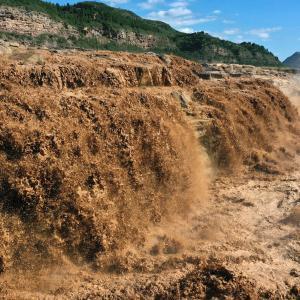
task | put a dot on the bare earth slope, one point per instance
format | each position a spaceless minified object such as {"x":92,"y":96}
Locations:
{"x":127,"y":176}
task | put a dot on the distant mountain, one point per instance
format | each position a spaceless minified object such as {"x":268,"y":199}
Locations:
{"x":93,"y":25}
{"x":293,"y":61}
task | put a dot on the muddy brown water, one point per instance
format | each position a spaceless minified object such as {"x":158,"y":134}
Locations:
{"x":107,"y":194}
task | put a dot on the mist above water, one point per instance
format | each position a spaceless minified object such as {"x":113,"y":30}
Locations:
{"x":292,"y":90}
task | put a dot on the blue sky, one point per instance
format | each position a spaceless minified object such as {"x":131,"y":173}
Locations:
{"x":272,"y":23}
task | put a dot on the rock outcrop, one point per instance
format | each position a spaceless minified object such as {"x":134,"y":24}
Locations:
{"x":31,"y":23}
{"x":218,"y":71}
{"x":21,"y":21}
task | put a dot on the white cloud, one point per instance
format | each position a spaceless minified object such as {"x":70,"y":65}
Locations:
{"x":237,"y":35}
{"x":171,"y":13}
{"x":149,"y":4}
{"x":232,"y":31}
{"x":264,"y":33}
{"x":205,"y":19}
{"x":228,"y":22}
{"x":180,"y":16}
{"x":179,"y":4}
{"x":217,"y":12}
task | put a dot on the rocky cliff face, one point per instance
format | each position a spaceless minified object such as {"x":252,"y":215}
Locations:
{"x":32,"y":23}
{"x":17,"y":20}
{"x":122,"y":36}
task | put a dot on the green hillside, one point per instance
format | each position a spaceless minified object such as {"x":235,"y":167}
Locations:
{"x":93,"y":15}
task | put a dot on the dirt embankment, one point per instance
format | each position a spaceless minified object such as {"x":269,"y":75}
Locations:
{"x":96,"y":148}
